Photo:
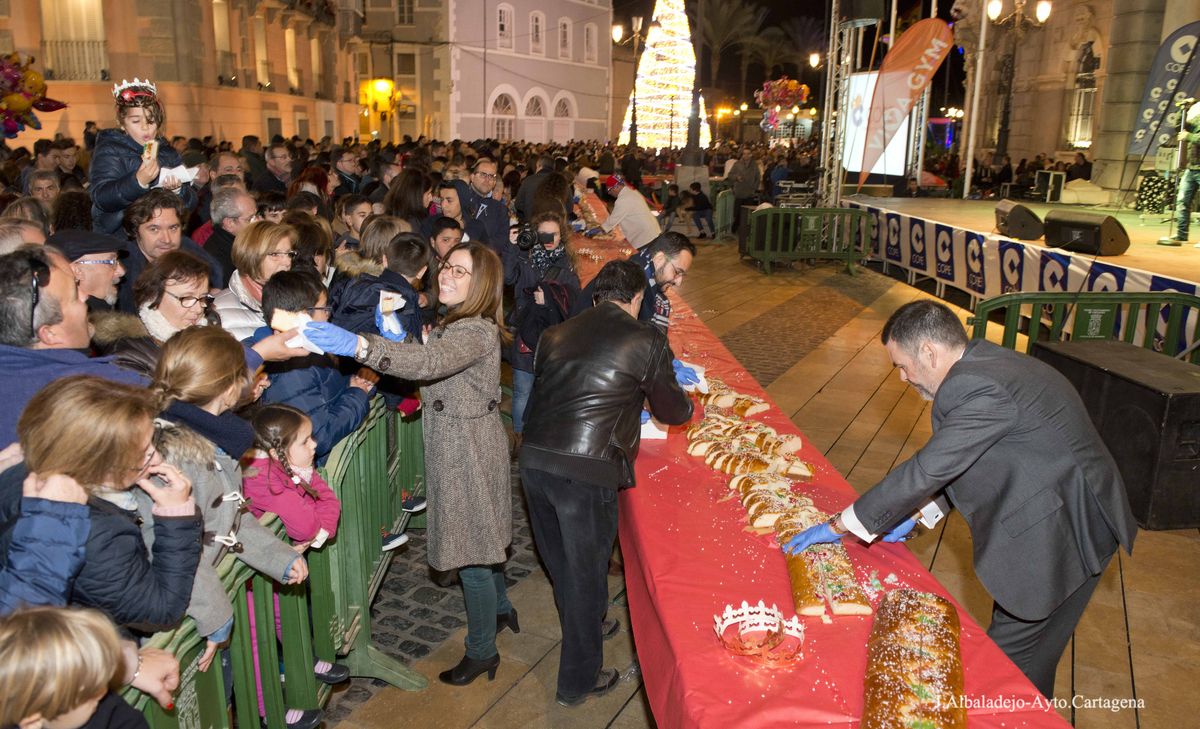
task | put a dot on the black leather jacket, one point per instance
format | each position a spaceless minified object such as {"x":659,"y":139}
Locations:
{"x":594,"y":371}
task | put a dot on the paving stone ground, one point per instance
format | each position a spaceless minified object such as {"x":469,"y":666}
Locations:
{"x":412,"y":615}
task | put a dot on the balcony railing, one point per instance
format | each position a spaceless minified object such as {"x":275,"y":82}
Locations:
{"x":76,"y":60}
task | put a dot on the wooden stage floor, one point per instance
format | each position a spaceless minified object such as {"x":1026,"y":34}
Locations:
{"x":1144,"y":253}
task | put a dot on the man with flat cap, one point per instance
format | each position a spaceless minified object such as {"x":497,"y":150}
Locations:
{"x":95,"y":260}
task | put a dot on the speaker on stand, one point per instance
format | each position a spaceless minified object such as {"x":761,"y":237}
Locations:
{"x":1083,"y":232}
{"x":1017,"y":221}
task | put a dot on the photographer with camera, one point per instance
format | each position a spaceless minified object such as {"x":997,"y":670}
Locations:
{"x":539,"y":269}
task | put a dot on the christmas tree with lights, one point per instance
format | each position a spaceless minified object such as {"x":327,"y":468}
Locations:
{"x":663,"y":88}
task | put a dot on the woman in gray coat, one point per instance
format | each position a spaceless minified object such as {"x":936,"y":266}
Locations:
{"x":466,"y":450}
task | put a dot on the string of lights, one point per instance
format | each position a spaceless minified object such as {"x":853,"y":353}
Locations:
{"x":665,"y":74}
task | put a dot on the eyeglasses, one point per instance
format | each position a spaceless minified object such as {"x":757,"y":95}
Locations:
{"x":188,"y":302}
{"x":277,"y":254}
{"x":39,"y":276}
{"x":151,"y":452}
{"x":455,"y":271}
{"x":251,"y":218}
{"x":102,"y":262}
{"x":679,"y":272}
{"x":485,"y":175}
{"x":312,"y":310}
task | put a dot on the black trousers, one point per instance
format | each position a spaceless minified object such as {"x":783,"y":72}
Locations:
{"x":574,"y":525}
{"x":1036,"y":646}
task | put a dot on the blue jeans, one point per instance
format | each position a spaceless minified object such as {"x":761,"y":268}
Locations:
{"x":1188,"y":183}
{"x":522,"y":386}
{"x":486,"y":596}
{"x":667,"y":219}
{"x":704,"y":216}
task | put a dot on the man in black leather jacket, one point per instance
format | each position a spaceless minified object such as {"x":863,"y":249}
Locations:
{"x":582,"y":428}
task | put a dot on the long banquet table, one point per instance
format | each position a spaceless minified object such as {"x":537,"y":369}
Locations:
{"x":689,"y":552}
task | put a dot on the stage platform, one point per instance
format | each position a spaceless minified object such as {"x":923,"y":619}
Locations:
{"x":1182,"y":263}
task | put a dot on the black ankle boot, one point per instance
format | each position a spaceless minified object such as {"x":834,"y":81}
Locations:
{"x":508,"y":619}
{"x":468,"y":669}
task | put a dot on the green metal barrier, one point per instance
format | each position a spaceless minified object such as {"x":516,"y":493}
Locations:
{"x":782,"y":235}
{"x":327,"y":617}
{"x":1156,"y":320}
{"x":723,"y":213}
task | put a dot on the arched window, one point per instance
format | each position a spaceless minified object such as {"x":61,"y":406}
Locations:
{"x":589,"y":43}
{"x":1083,"y":98}
{"x":537,"y":33}
{"x":504,"y":111}
{"x":564,"y":38}
{"x":562,"y":109}
{"x":504,"y":27}
{"x":535,"y":107}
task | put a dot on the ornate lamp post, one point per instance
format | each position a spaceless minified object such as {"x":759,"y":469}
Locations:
{"x":1019,"y":22}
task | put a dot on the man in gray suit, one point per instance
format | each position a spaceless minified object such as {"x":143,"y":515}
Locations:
{"x":1014,"y":450}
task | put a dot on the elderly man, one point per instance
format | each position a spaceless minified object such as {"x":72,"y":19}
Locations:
{"x":232,"y":210}
{"x":581,"y":438}
{"x":278,"y":172}
{"x":664,"y":263}
{"x":631,"y":212}
{"x":1013,"y":449}
{"x":17,"y":232}
{"x":154,"y":224}
{"x":95,"y":261}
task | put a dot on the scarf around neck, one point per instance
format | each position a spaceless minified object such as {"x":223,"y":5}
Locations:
{"x":541,"y":259}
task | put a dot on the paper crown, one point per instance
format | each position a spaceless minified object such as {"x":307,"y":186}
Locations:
{"x":127,"y":91}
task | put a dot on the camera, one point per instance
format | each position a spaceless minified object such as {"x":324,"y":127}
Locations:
{"x":527,"y":237}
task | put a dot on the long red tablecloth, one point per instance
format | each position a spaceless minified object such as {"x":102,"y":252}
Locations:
{"x":689,"y":552}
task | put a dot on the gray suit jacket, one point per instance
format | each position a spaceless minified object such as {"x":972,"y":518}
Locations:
{"x":1017,"y":454}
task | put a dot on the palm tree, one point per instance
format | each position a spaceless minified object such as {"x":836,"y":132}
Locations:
{"x":728,"y":24}
{"x":772,"y":50}
{"x":807,"y":35}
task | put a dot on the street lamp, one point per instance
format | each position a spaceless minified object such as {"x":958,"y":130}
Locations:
{"x":744,"y":106}
{"x":1019,"y":22}
{"x":814,"y":59}
{"x":637,"y":39}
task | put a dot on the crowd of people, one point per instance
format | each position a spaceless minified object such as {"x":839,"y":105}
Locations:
{"x":156,"y":406}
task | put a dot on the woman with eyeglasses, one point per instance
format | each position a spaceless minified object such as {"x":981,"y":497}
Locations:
{"x":101,"y":434}
{"x":466,"y":449}
{"x":260,"y":250}
{"x":201,"y":377}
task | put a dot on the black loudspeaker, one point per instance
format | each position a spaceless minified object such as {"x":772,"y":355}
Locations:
{"x":1146,"y":406}
{"x":1017,"y":221}
{"x":863,"y":10}
{"x":1082,"y":232}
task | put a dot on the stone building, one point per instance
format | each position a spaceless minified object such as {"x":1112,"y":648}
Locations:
{"x":514,"y":69}
{"x":223,"y":67}
{"x":1076,"y":82}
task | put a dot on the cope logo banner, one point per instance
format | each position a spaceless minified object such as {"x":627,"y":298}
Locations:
{"x":1158,"y":116}
{"x":943,"y":247}
{"x":1055,"y":271}
{"x":917,"y":258}
{"x":973,"y":250}
{"x":1012,"y":266}
{"x":892,"y":229}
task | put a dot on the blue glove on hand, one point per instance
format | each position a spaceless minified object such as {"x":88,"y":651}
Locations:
{"x":819,"y":534}
{"x":389,"y":326}
{"x":900,"y":532}
{"x":331,"y":338}
{"x":645,"y":417}
{"x":594,"y":232}
{"x":684,"y":375}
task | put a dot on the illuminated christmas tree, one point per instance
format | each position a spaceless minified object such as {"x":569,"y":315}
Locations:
{"x":663,"y":89}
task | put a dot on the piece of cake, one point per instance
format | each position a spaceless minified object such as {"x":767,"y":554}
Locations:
{"x":286,"y":321}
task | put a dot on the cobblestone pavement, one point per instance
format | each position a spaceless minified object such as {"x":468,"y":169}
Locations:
{"x":769,"y":344}
{"x":412,"y":615}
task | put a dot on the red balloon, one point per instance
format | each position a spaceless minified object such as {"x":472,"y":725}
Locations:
{"x":45,"y":104}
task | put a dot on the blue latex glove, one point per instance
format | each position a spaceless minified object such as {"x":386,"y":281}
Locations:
{"x":819,"y":534}
{"x":594,"y":232}
{"x":379,"y":320}
{"x":331,"y":338}
{"x":684,"y":375}
{"x":645,"y":417}
{"x":900,"y":531}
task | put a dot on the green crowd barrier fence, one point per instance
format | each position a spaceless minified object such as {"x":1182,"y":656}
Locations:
{"x":327,"y":618}
{"x":783,"y":235}
{"x":1163,"y":321}
{"x":723,"y":214}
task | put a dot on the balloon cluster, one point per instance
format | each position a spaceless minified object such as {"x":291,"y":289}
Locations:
{"x":770,"y":120}
{"x":782,"y":92}
{"x":22,"y":90}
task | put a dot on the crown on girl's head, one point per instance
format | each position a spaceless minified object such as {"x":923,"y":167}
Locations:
{"x":127,"y":91}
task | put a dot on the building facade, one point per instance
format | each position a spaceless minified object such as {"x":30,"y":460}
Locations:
{"x":1076,"y":82}
{"x":223,"y":67}
{"x":538,"y":70}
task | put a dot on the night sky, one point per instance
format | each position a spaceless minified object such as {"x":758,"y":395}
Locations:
{"x":943,"y":94}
